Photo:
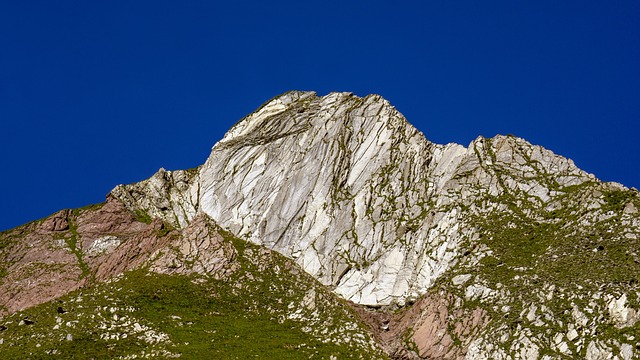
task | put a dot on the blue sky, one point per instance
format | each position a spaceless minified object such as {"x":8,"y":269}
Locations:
{"x":93,"y":94}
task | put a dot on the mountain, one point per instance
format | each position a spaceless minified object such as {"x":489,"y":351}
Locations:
{"x":333,"y":221}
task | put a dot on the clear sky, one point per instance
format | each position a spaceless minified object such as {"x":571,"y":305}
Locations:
{"x":98,"y":93}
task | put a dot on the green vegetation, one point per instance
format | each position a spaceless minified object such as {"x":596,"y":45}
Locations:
{"x":556,"y":246}
{"x":72,"y":243}
{"x":615,"y":200}
{"x":143,"y":217}
{"x":5,"y":239}
{"x":164,"y":229}
{"x":549,"y":253}
{"x":91,"y":207}
{"x":202,"y":319}
{"x":553,"y":243}
{"x":258,"y":311}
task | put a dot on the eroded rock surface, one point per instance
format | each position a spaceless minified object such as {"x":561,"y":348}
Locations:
{"x":497,"y":250}
{"x":361,"y":200}
{"x":350,"y":190}
{"x":101,"y":247}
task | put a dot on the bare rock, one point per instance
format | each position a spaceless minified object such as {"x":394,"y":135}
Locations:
{"x":353,"y":194}
{"x":621,"y":314}
{"x":56,"y":222}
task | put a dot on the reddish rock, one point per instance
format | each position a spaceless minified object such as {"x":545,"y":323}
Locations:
{"x":431,"y":324}
{"x":56,"y":222}
{"x":70,"y":249}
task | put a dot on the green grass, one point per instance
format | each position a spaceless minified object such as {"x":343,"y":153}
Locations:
{"x":143,"y":217}
{"x":615,"y":200}
{"x":72,"y":243}
{"x":558,"y":253}
{"x":576,"y":243}
{"x":232,"y":328}
{"x":202,"y":320}
{"x":245,"y":315}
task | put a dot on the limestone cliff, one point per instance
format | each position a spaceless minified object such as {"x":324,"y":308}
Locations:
{"x":497,"y":250}
{"x":362,"y":201}
{"x":350,"y":190}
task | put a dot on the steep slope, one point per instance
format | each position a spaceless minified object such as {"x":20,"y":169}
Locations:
{"x":341,"y":184}
{"x":361,"y":200}
{"x":351,"y":191}
{"x":497,"y":250}
{"x":103,"y":283}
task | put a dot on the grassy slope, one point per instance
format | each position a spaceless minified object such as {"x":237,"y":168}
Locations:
{"x":558,"y":258}
{"x":258,"y":312}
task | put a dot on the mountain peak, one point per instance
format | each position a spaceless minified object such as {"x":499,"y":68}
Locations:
{"x":296,"y":111}
{"x":351,"y":191}
{"x":496,"y":246}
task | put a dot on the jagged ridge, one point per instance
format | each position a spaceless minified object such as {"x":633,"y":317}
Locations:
{"x":349,"y":189}
{"x":360,"y":199}
{"x":502,"y":249}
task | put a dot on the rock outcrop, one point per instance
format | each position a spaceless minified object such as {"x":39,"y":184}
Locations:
{"x":497,"y":250}
{"x":110,"y":279}
{"x":350,"y":190}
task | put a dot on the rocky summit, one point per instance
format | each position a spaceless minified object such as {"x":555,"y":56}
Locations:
{"x":329,"y":227}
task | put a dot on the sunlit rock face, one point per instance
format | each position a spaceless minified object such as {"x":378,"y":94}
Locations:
{"x":350,"y":190}
{"x":497,"y":250}
{"x":342,"y":185}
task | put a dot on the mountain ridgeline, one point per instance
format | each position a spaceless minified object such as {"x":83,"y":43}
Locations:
{"x":497,"y":250}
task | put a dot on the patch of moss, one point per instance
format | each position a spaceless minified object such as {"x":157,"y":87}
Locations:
{"x":72,"y":244}
{"x":164,"y":230}
{"x":143,"y":217}
{"x":615,"y":200}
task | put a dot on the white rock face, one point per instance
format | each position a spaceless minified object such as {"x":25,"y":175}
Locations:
{"x":103,"y":244}
{"x":622,"y":315}
{"x":460,"y":279}
{"x":361,"y":200}
{"x":572,"y":335}
{"x":347,"y":188}
{"x":169,"y":195}
{"x":598,"y":351}
{"x":325,"y":182}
